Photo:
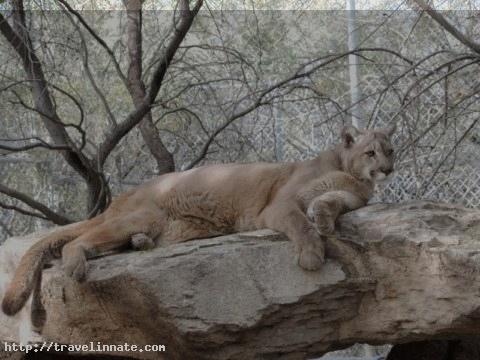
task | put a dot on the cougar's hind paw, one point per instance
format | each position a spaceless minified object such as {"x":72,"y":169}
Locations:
{"x":142,"y":242}
{"x":76,"y":269}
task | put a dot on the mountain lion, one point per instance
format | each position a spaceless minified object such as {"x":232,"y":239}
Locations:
{"x":300,"y":199}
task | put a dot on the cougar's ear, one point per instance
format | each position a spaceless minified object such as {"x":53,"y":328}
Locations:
{"x":389,"y":130}
{"x":349,"y":135}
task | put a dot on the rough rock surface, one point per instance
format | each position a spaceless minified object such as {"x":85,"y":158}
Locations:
{"x":395,"y":273}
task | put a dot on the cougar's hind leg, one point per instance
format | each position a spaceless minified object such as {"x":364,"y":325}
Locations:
{"x":111,"y":235}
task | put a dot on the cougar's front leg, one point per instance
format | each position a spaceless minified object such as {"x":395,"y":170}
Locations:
{"x":290,"y":220}
{"x":324,"y":210}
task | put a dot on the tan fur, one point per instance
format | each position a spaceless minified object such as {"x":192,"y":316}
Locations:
{"x":300,"y":199}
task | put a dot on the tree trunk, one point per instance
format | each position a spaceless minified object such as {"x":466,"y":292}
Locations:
{"x":19,"y":39}
{"x":163,"y":157}
{"x":394,"y":274}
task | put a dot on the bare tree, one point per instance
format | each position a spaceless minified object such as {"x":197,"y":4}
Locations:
{"x":90,"y":168}
{"x":177,"y":98}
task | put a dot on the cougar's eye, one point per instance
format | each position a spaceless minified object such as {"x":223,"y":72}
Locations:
{"x":389,"y":152}
{"x":370,"y":153}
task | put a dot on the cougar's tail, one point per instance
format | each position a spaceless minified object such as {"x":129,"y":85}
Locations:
{"x":32,"y":263}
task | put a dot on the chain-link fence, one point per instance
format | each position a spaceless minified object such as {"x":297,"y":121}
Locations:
{"x":411,"y":75}
{"x":292,"y":131}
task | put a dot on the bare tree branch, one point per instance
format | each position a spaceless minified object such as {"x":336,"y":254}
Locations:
{"x":22,"y":211}
{"x":303,"y":71}
{"x":39,"y":143}
{"x":90,"y":76}
{"x":117,"y":133}
{"x":98,"y":39}
{"x":442,"y":21}
{"x":21,"y":42}
{"x":48,"y":214}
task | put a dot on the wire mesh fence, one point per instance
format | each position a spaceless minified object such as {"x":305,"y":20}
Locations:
{"x":432,"y":163}
{"x":411,"y":75}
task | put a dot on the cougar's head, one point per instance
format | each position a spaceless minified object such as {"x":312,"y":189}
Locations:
{"x":367,"y":154}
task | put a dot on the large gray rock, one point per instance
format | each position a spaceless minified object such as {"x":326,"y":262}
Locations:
{"x":395,"y":273}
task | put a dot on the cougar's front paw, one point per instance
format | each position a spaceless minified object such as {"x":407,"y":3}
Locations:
{"x":76,"y":268}
{"x":322,"y":219}
{"x":311,"y":257}
{"x":142,"y":242}
{"x":325,"y":227}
